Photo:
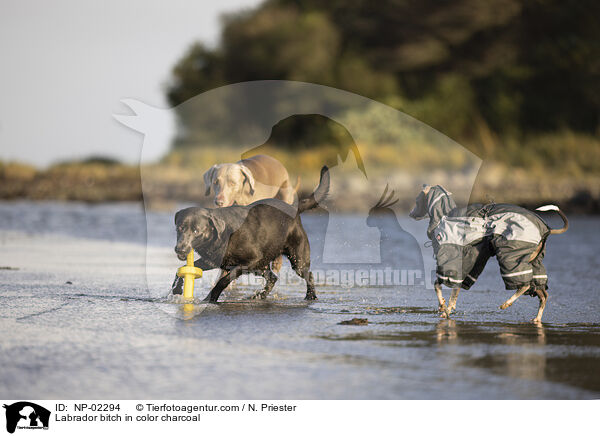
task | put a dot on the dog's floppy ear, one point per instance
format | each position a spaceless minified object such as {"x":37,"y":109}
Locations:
{"x":218,"y":224}
{"x":176,"y":215}
{"x":420,"y":209}
{"x":208,"y":179}
{"x":248,"y":177}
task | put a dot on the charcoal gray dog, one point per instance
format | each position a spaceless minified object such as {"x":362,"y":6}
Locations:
{"x":465,"y":238}
{"x":246,"y":239}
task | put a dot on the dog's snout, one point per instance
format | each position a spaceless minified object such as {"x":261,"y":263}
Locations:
{"x":416,"y":214}
{"x":223,"y":202}
{"x":181,"y":252}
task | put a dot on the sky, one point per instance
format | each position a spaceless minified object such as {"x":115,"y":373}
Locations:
{"x":66,"y":65}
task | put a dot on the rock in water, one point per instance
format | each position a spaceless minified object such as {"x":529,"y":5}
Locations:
{"x":355,"y":321}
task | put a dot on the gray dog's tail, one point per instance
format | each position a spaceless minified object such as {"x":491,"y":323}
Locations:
{"x":562,"y":215}
{"x":319,"y":195}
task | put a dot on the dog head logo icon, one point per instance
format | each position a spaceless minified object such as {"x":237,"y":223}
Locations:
{"x":26,"y":415}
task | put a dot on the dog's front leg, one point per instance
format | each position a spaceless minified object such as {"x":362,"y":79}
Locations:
{"x":442,"y":303}
{"x":453,"y":299}
{"x":222,"y":283}
{"x":177,"y":286}
{"x":516,"y":295}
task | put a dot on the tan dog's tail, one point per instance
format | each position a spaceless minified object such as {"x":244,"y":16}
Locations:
{"x":562,"y":215}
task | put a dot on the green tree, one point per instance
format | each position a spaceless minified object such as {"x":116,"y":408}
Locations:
{"x":513,"y":67}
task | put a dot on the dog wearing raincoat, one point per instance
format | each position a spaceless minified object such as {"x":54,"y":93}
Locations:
{"x":464,"y":238}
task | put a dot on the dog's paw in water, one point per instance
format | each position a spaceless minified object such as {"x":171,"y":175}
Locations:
{"x":443,"y":311}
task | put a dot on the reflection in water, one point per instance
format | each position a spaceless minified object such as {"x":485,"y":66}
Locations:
{"x":567,"y":354}
{"x":530,"y":363}
{"x":539,"y":354}
{"x":189,"y":310}
{"x":446,"y":331}
{"x":526,"y":358}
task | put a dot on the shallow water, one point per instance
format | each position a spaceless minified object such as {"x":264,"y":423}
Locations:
{"x":112,"y":333}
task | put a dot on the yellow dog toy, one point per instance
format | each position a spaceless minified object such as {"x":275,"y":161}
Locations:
{"x":189,"y":273}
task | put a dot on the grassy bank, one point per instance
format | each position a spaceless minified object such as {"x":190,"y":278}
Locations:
{"x":564,"y":170}
{"x":78,"y":181}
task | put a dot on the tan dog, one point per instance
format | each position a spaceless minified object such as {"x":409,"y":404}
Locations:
{"x":249,"y":180}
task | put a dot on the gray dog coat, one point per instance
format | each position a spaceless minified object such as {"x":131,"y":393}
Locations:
{"x":465,"y":238}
